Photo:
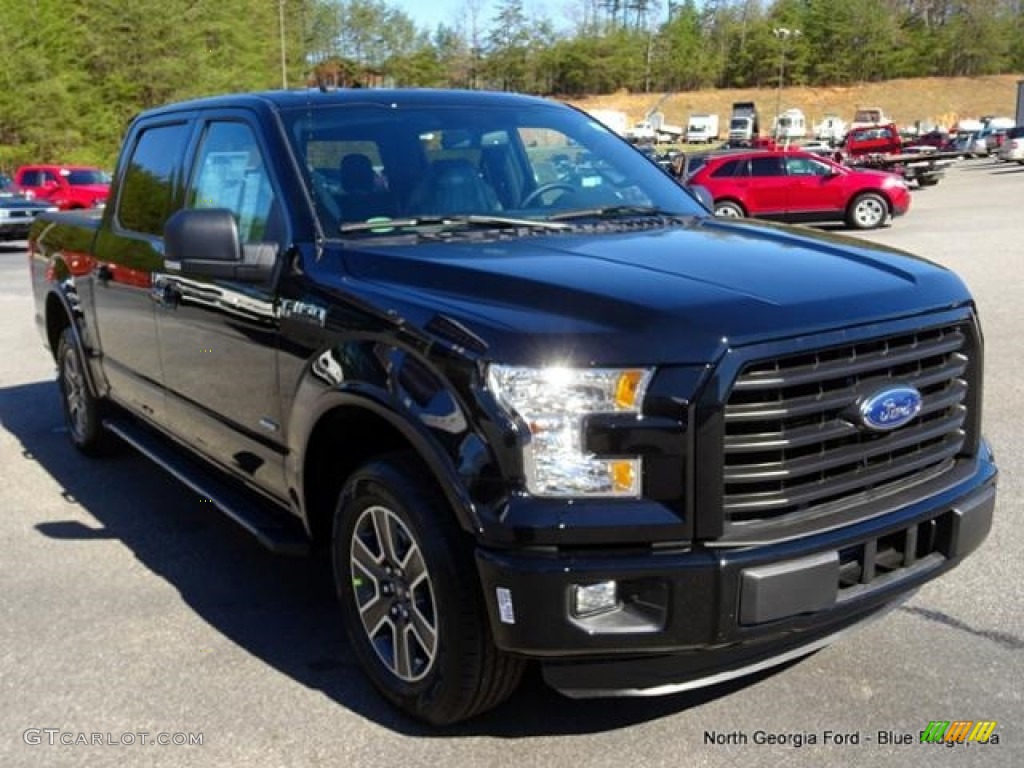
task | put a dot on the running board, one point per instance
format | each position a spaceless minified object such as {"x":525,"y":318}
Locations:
{"x":274,"y":531}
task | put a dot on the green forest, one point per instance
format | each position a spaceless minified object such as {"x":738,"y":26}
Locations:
{"x":75,"y":73}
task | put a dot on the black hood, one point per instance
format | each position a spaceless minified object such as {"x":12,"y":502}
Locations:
{"x":678,"y":294}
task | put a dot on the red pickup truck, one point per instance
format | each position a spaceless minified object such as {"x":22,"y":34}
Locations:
{"x":881,"y":147}
{"x":872,"y":140}
{"x":69,"y":187}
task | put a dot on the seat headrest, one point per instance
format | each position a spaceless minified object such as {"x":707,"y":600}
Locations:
{"x":357,"y":175}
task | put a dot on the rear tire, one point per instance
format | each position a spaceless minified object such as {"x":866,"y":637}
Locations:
{"x":413,"y":609}
{"x":83,"y":411}
{"x":867,"y":211}
{"x":729,"y":210}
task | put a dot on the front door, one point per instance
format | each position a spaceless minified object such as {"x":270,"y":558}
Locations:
{"x":815,"y":191}
{"x":219,"y":336}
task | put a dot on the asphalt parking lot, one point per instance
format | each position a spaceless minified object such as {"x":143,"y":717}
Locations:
{"x":130,"y":608}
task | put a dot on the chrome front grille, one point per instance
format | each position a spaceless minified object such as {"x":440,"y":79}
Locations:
{"x":793,"y":445}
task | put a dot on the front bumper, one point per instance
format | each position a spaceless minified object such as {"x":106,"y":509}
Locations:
{"x":694,"y":616}
{"x":15,"y":229}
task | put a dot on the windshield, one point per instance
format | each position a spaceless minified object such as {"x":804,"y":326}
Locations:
{"x":528,"y":162}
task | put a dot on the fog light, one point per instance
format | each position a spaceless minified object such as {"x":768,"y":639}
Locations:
{"x":589,"y":599}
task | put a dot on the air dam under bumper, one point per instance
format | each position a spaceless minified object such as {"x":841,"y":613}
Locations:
{"x":687,"y":618}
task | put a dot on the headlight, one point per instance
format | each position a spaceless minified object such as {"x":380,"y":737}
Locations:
{"x":553,"y":402}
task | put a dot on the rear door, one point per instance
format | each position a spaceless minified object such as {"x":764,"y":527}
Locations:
{"x":768,"y":187}
{"x":128,"y":251}
{"x":219,"y":336}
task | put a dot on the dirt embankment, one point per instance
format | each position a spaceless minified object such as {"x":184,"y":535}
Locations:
{"x":930,"y":101}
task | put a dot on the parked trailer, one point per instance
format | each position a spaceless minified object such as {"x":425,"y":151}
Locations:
{"x":832,"y":128}
{"x":702,"y":129}
{"x":791,"y":124}
{"x":613,"y":119}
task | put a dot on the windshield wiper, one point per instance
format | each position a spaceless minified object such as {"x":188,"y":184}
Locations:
{"x":386,"y":225}
{"x":613,"y":211}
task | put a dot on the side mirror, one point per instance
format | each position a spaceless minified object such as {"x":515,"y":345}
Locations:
{"x":703,"y":196}
{"x":205,"y":242}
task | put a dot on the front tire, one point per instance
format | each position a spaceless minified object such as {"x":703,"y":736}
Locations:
{"x":409,"y":593}
{"x":867,"y":211}
{"x":83,"y":411}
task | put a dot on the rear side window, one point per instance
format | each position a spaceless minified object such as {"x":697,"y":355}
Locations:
{"x":728,"y":169}
{"x":766,"y":166}
{"x":85,"y":176}
{"x":148,"y":189}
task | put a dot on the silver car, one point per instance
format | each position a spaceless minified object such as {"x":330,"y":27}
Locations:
{"x":18,"y":211}
{"x":1012,"y":149}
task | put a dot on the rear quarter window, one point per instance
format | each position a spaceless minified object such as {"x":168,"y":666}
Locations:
{"x":725,"y":170}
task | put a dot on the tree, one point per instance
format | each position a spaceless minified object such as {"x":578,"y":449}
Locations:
{"x":508,"y":47}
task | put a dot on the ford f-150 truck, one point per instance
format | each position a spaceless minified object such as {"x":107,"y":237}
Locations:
{"x":537,"y":402}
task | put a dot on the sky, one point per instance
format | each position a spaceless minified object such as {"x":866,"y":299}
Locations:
{"x":430,"y":13}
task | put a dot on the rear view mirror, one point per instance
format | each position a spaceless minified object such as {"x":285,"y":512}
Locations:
{"x":205,"y":242}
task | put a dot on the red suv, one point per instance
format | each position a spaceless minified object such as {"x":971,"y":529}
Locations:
{"x":800,"y":187}
{"x":66,"y":186}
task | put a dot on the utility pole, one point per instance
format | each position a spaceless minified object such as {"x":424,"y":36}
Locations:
{"x":284,"y":57}
{"x":783,"y":34}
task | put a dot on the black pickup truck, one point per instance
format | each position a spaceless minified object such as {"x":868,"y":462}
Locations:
{"x":536,"y":401}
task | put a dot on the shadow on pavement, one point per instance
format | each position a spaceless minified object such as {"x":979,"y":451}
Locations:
{"x":281,"y":610}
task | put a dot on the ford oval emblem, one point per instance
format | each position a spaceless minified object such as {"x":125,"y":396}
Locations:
{"x":890,"y":408}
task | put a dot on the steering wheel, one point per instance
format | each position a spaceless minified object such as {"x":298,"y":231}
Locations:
{"x":543,"y":189}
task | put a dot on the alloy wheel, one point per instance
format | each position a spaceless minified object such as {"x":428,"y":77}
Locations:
{"x":394,"y":593}
{"x":73,"y":383}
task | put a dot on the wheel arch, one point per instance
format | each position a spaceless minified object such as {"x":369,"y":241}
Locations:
{"x":856,"y":196}
{"x":61,"y":316}
{"x":351,"y":429}
{"x":878,"y":192}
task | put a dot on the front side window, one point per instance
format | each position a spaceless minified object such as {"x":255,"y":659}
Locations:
{"x":806,"y":166}
{"x":148,"y":191}
{"x":230,"y":173}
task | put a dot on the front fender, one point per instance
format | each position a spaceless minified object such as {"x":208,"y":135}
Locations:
{"x":414,"y":398}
